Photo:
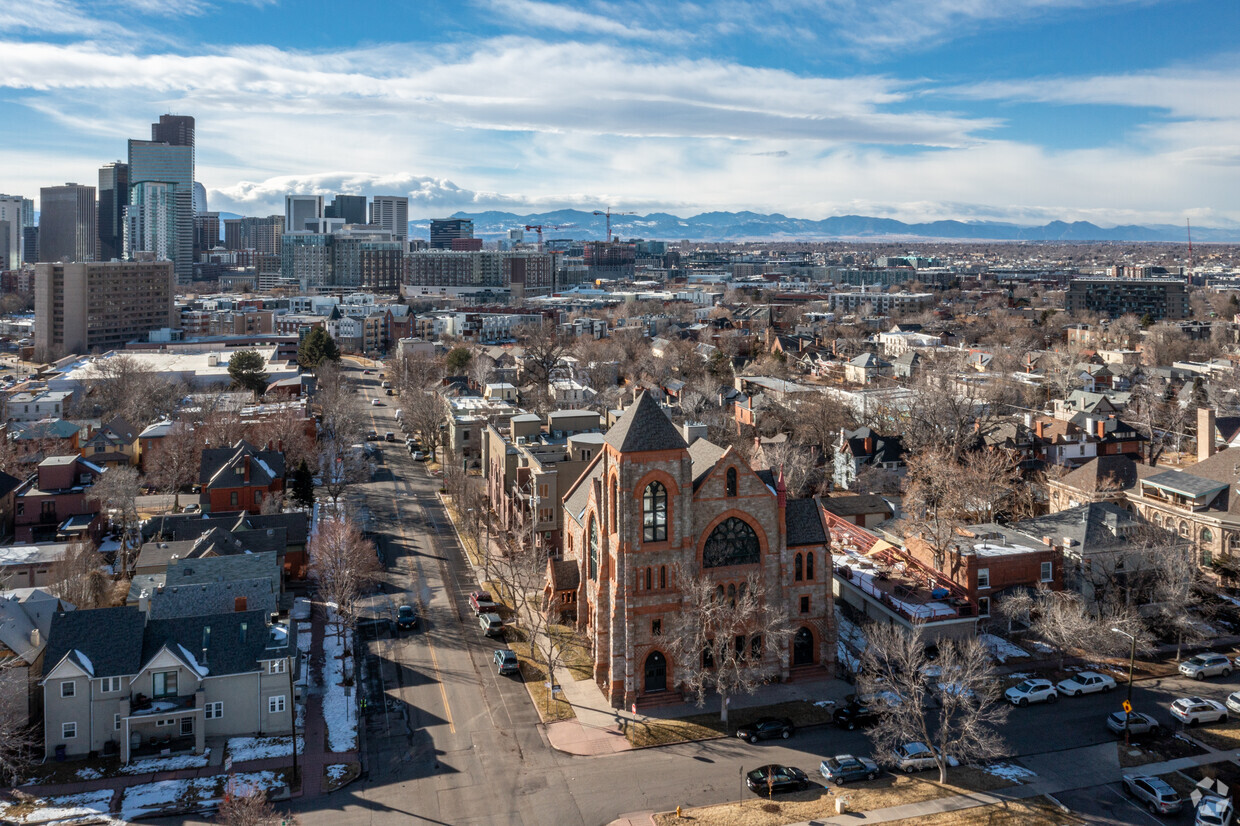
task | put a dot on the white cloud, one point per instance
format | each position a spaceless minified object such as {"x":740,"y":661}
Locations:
{"x":534,"y":14}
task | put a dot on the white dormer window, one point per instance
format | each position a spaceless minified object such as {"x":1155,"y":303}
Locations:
{"x":277,"y":666}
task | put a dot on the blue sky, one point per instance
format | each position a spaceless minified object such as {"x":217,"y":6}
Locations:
{"x":1113,"y":111}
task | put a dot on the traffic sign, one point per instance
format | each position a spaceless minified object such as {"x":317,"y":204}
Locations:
{"x":1127,"y":707}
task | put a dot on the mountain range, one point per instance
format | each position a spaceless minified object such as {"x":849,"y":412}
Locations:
{"x":754,"y":226}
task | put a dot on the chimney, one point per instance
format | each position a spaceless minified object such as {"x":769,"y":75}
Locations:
{"x":694,"y":431}
{"x":280,"y":445}
{"x":1046,"y":540}
{"x":144,"y":602}
{"x":1102,"y":428}
{"x":36,"y":638}
{"x":1037,"y":426}
{"x":869,"y":445}
{"x":246,"y":472}
{"x":1205,"y":433}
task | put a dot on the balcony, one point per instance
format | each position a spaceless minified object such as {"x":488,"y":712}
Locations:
{"x":144,"y":706}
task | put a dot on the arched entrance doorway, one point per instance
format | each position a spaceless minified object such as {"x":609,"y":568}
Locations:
{"x":803,"y":647}
{"x":656,"y":672}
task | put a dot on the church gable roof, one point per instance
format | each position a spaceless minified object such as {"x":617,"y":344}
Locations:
{"x":704,"y":456}
{"x":644,"y":427}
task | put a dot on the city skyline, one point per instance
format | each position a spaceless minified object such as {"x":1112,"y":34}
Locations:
{"x":1110,"y":112}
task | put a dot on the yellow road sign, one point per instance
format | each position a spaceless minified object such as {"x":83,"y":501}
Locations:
{"x":1127,"y":707}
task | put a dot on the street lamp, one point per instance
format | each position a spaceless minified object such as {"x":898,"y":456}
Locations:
{"x":1132,"y":659}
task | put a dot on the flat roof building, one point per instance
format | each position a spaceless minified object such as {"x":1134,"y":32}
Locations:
{"x":1163,"y":299}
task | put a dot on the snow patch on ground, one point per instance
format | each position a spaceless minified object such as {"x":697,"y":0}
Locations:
{"x":88,"y":805}
{"x":1009,"y":771}
{"x":1040,"y":647}
{"x":241,"y":749}
{"x":850,"y":642}
{"x":336,"y":771}
{"x":88,"y":773}
{"x":168,"y":796}
{"x":150,"y":765}
{"x":1001,"y":649}
{"x":339,"y":710}
{"x":246,"y":783}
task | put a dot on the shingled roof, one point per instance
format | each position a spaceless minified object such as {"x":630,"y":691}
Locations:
{"x":110,"y":639}
{"x":644,"y":427}
{"x":802,"y":524}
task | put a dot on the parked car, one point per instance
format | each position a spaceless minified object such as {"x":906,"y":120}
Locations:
{"x":491,"y":625}
{"x":506,"y":661}
{"x":1233,"y":699}
{"x":1157,"y":794}
{"x":191,"y":508}
{"x":481,"y":602}
{"x":389,"y":436}
{"x":774,"y":779}
{"x":1193,"y":711}
{"x":1134,"y":721}
{"x":1032,"y":691}
{"x":1213,"y":810}
{"x":914,"y":757}
{"x":766,"y":728}
{"x":367,"y":372}
{"x":418,"y":456}
{"x":1087,"y":682}
{"x":376,"y":403}
{"x":406,"y":617}
{"x":844,"y":767}
{"x":1200,"y":666}
{"x":372,"y":436}
{"x":857,"y":713}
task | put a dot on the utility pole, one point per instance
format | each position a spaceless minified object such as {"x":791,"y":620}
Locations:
{"x":1132,"y":660}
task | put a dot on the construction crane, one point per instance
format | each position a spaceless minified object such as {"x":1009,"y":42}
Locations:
{"x":540,"y":227}
{"x":609,"y":213}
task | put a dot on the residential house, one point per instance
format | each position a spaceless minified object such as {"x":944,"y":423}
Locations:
{"x":866,"y":369}
{"x":868,"y":510}
{"x":240,"y":476}
{"x":120,"y":683}
{"x":155,"y":557}
{"x":246,"y":582}
{"x":263,"y":530}
{"x":863,"y":448}
{"x":55,"y":502}
{"x":25,"y":620}
{"x":906,"y":365}
{"x":8,"y":497}
{"x":114,"y":444}
{"x":36,"y":405}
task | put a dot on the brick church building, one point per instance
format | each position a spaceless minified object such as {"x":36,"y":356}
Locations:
{"x":649,"y":502}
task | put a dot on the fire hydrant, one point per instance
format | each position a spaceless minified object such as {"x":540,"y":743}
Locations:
{"x":678,"y":813}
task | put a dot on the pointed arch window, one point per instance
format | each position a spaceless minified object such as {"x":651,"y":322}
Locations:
{"x":649,"y":579}
{"x":809,"y":565}
{"x":732,"y":542}
{"x":797,"y":568}
{"x":730,"y":484}
{"x":654,"y":513}
{"x":662,"y":576}
{"x":593,"y":548}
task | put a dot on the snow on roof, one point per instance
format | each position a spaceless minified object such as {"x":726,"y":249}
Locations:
{"x":85,"y":661}
{"x":193,"y":662}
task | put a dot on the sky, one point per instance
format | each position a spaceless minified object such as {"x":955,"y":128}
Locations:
{"x":1111,"y":111}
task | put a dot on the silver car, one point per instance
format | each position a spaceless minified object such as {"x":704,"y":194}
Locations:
{"x":1157,"y":794}
{"x":1032,"y":691}
{"x":1134,"y":721}
{"x":1201,"y":666}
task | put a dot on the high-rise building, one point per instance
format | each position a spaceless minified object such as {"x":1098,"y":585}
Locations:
{"x":369,"y":260}
{"x":1159,"y":298}
{"x":173,"y":164}
{"x":176,"y":130}
{"x":67,"y":223}
{"x":259,"y":234}
{"x":113,"y":198}
{"x":81,"y":307}
{"x":528,"y":271}
{"x":206,"y":232}
{"x":300,"y":210}
{"x":352,"y":208}
{"x":30,"y":244}
{"x":305,"y":260}
{"x":11,"y":213}
{"x":150,"y":222}
{"x":200,"y":198}
{"x":445,"y":229}
{"x":391,"y":213}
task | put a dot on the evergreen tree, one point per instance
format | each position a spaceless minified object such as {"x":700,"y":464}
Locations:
{"x":247,"y":369}
{"x":303,"y":485}
{"x":317,"y":347}
{"x":458,"y":360}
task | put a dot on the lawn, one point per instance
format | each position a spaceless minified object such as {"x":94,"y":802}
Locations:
{"x":888,"y":790}
{"x":1036,"y":812}
{"x":574,"y":652}
{"x":654,"y":732}
{"x":550,"y":707}
{"x":1151,"y":749}
{"x":1225,"y":737}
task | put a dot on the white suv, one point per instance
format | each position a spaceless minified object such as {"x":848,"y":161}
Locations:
{"x":1193,"y":711}
{"x":1206,"y":665}
{"x":1032,"y":691}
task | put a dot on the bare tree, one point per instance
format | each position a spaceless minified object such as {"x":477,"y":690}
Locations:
{"x":970,"y":705}
{"x":725,"y":639}
{"x":221,"y":428}
{"x":544,"y":346}
{"x":1178,"y":594}
{"x":343,"y":565}
{"x":18,"y":738}
{"x":251,"y":808}
{"x":424,"y":411}
{"x":123,"y":386}
{"x":796,"y":462}
{"x":78,"y":577}
{"x":1016,"y":607}
{"x":286,"y":431}
{"x":179,"y":459}
{"x":117,"y":492}
{"x":417,"y":372}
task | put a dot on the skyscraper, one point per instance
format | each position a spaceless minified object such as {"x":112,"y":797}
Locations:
{"x":177,"y":130}
{"x":300,"y":210}
{"x":11,"y":214}
{"x":391,"y":212}
{"x":444,"y":230}
{"x":67,"y":223}
{"x":150,"y":222}
{"x":153,"y":162}
{"x":352,"y":208}
{"x":206,"y":232}
{"x":113,"y":198}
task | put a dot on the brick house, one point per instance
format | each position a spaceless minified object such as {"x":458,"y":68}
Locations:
{"x":57,"y":494}
{"x":648,"y":504}
{"x":239,"y":477}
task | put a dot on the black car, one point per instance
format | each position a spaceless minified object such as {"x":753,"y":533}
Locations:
{"x":406,"y":617}
{"x":766,"y":728}
{"x":855,"y":714}
{"x":774,"y":779}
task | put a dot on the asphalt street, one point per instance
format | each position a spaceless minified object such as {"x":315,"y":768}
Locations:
{"x":454,"y":743}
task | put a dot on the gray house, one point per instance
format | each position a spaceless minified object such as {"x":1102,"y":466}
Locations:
{"x":120,"y":683}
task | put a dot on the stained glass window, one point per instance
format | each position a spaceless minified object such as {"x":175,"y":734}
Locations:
{"x":732,"y":542}
{"x":593,"y":548}
{"x":654,"y":513}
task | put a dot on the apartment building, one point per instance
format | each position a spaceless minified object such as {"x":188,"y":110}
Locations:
{"x":81,"y":307}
